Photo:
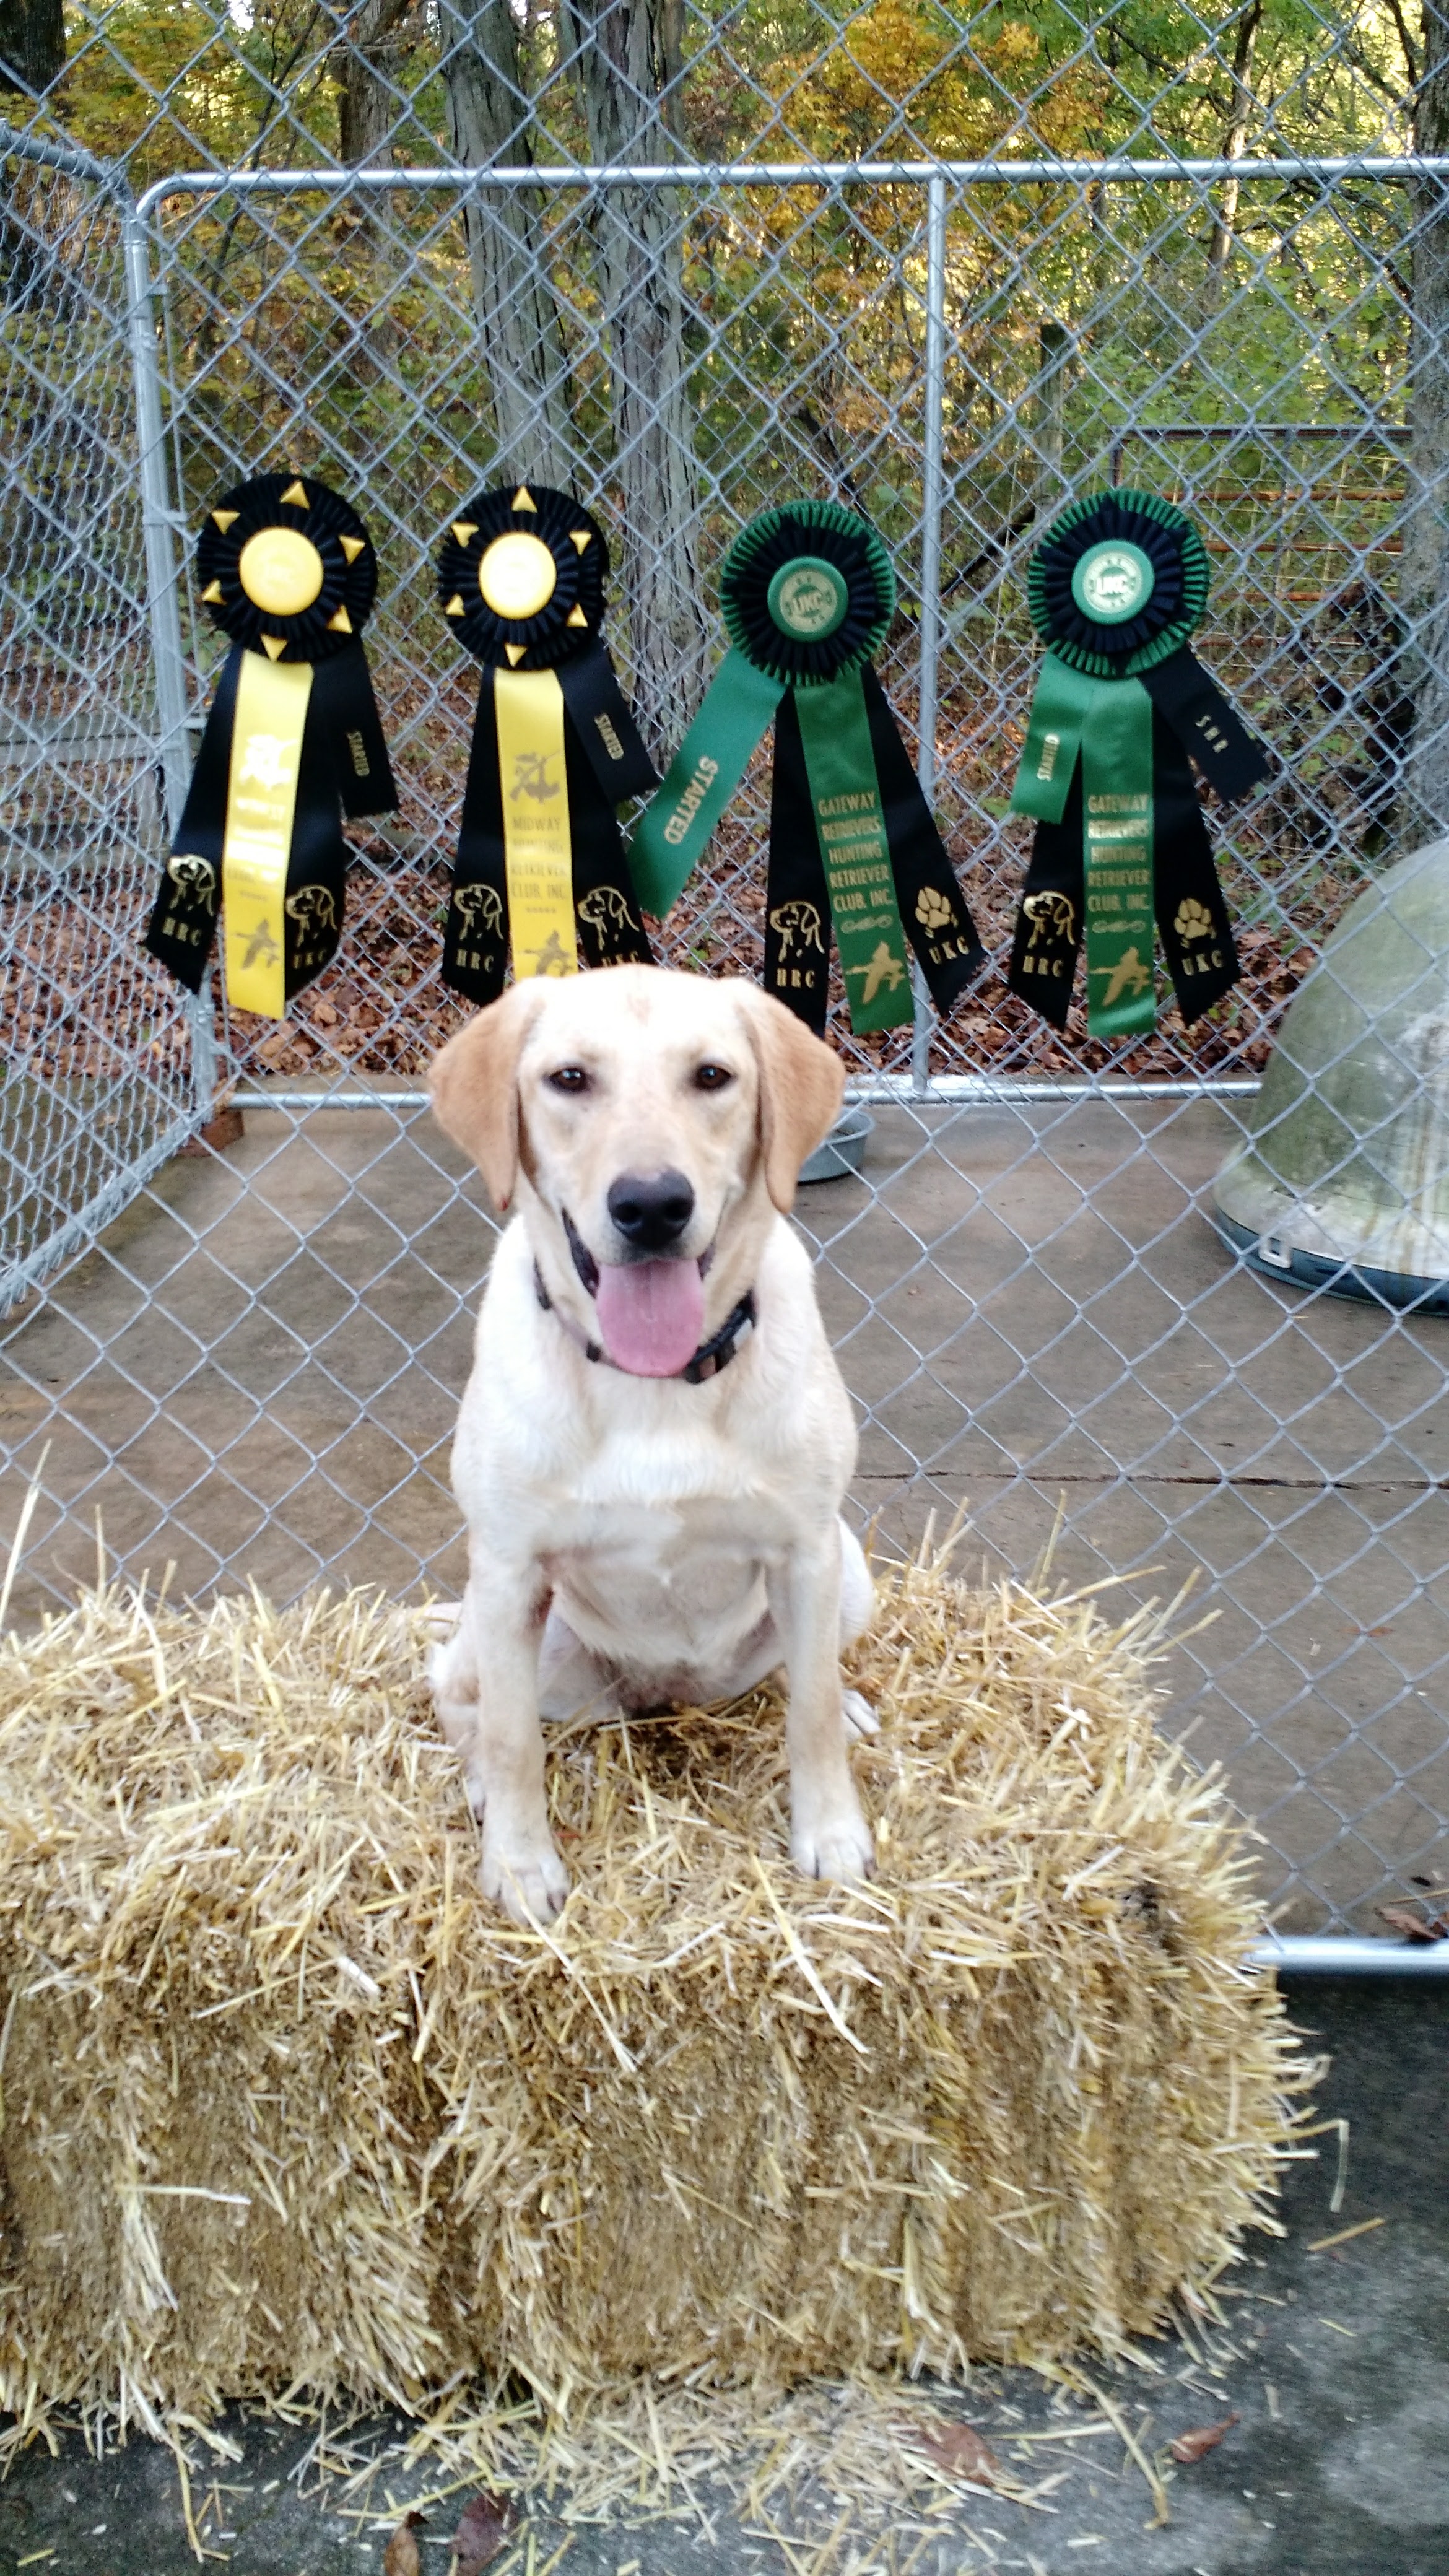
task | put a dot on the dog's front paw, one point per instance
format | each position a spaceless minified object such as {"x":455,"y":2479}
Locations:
{"x":860,"y":1718}
{"x":523,"y":1874}
{"x":833,"y":1841}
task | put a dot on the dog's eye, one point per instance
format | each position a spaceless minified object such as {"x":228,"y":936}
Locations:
{"x":712,"y":1077}
{"x":569,"y":1077}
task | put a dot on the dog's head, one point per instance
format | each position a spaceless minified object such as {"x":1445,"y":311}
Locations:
{"x":648,"y":1123}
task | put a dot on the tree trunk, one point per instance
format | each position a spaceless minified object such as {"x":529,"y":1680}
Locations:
{"x":1424,"y":564}
{"x":369,"y":53}
{"x":629,"y":61}
{"x":1049,"y":427}
{"x":1220,"y":248}
{"x":32,"y":55}
{"x":369,"y":58}
{"x":513,"y":296}
{"x":32,"y":45}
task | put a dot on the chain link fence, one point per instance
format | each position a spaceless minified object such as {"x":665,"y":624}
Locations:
{"x":246,"y":1364}
{"x":89,"y":1108}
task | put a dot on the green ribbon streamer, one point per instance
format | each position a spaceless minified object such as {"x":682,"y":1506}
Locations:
{"x":1116,"y":740}
{"x":703,"y":776}
{"x":1059,"y":711}
{"x":850,"y":826}
{"x":845,"y":802}
{"x":1108,"y":723}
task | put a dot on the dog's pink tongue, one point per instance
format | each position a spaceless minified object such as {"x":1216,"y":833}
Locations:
{"x":651,"y":1315}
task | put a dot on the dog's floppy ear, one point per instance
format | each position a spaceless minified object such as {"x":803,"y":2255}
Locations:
{"x":474,"y":1083}
{"x":802,"y":1084}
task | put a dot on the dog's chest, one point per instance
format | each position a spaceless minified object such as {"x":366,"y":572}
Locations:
{"x":676,"y":1576}
{"x":679,"y":1542}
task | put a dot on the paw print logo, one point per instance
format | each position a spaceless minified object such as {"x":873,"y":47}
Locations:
{"x":1192,"y":921}
{"x":933,"y":912}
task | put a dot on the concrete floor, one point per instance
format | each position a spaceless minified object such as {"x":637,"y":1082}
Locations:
{"x":1335,"y":2365}
{"x":255,"y":1374}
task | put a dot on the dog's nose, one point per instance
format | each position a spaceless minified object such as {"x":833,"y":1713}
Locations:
{"x":651,"y":1215}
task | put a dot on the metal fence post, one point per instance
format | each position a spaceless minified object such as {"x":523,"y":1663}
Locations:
{"x":163,"y":607}
{"x":932,"y":502}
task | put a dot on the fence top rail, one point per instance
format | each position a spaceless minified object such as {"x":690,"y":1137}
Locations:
{"x":797,"y":174}
{"x":880,"y":1090}
{"x":67,"y":157}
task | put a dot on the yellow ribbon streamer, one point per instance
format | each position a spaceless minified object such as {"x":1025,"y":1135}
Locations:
{"x":537,"y":851}
{"x":266,"y":751}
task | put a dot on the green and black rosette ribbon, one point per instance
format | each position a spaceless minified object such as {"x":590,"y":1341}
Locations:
{"x":541,"y":866}
{"x":807,"y":594}
{"x":1115,"y":589}
{"x":292,"y":743}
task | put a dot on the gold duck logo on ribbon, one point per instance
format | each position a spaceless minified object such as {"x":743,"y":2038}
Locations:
{"x":1115,"y":589}
{"x":807,"y":595}
{"x":540,"y":866}
{"x":292,"y":742}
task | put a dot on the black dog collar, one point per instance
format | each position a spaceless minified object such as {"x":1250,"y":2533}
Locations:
{"x":708,"y":1360}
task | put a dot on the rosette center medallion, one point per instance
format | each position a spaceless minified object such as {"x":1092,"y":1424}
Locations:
{"x":281,"y":571}
{"x":1112,"y":583}
{"x":517,"y":575}
{"x":808,"y":598}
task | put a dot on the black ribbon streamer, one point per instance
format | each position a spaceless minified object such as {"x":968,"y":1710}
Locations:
{"x":1192,"y":917}
{"x":1116,"y":588}
{"x":1231,"y":759}
{"x":605,"y":761}
{"x":807,"y":594}
{"x":606,"y":920}
{"x":933,"y":910}
{"x":343,"y":767}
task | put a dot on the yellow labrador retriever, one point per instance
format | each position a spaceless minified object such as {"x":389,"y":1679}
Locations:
{"x":655,"y":1441}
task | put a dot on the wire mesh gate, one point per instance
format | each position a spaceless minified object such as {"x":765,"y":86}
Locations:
{"x":253,"y":1373}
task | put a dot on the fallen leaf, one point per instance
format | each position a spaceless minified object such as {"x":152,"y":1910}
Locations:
{"x":225,"y":1127}
{"x":1205,"y":2437}
{"x":960,"y":2451}
{"x":486,"y":2524}
{"x":1414,"y":1926}
{"x":400,"y":2558}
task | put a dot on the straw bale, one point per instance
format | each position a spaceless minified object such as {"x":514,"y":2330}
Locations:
{"x":287,"y":2106}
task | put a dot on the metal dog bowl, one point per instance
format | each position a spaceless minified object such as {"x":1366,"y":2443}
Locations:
{"x":843,"y":1148}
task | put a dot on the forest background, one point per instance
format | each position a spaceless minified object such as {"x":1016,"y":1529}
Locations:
{"x":1271,"y":349}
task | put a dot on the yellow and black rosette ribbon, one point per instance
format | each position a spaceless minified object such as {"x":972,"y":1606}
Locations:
{"x":292,"y":743}
{"x":541,"y":866}
{"x":807,"y":595}
{"x":1115,"y":589}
